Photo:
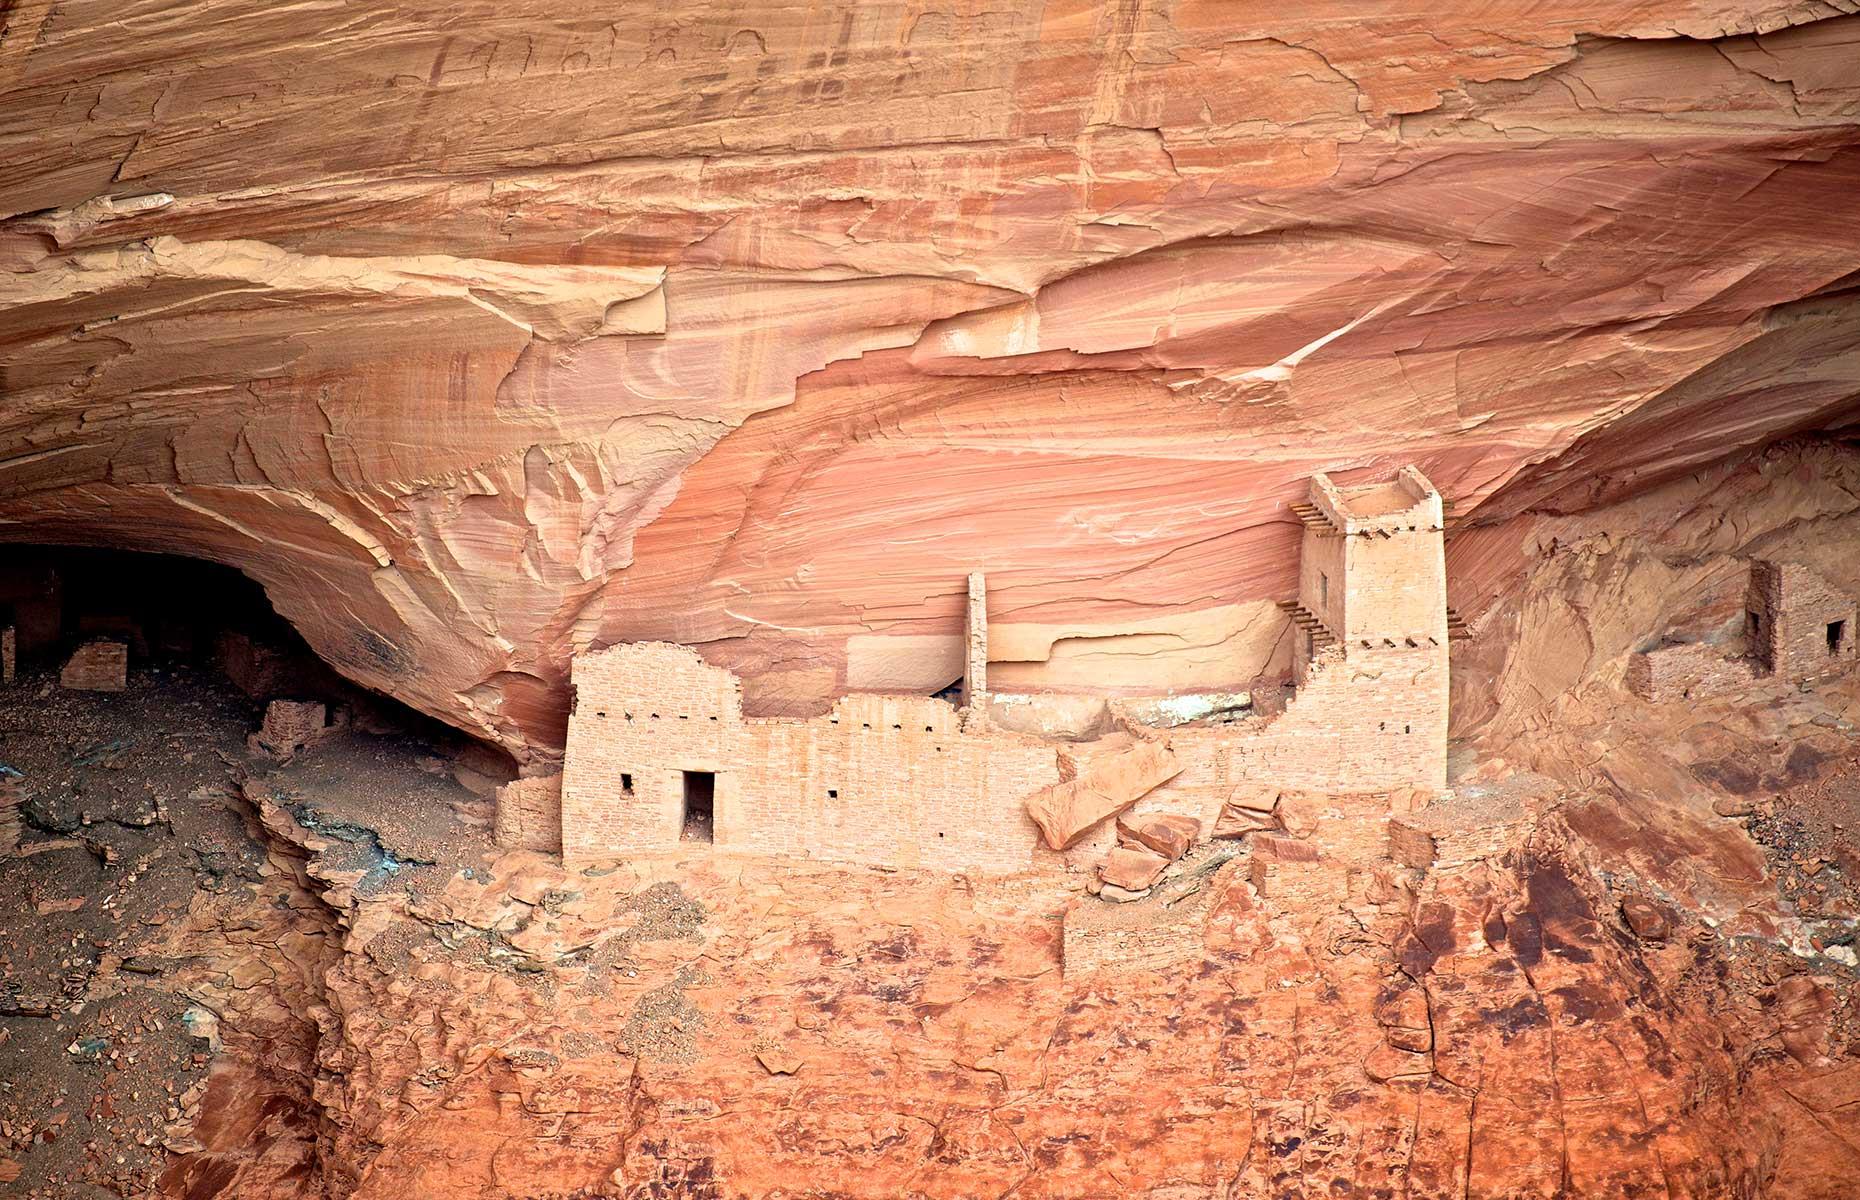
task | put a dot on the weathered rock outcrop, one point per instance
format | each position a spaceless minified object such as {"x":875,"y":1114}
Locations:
{"x":481,"y":333}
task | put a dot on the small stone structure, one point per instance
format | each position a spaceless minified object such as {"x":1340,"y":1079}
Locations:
{"x":1799,"y":624}
{"x":659,"y":751}
{"x":1797,"y":627}
{"x":294,"y":725}
{"x":98,"y":666}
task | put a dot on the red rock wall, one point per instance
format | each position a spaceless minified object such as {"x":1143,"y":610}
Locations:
{"x":757,"y":327}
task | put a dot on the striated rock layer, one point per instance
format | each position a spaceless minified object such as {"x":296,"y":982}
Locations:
{"x":480,"y":333}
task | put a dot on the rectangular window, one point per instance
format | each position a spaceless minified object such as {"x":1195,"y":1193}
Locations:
{"x":1753,"y":622}
{"x":700,"y":811}
{"x":1837,"y":636}
{"x":626,"y":782}
{"x":1323,"y":590}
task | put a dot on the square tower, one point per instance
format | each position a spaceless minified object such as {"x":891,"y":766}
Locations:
{"x":1373,"y":563}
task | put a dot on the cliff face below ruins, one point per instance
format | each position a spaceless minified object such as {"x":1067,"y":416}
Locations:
{"x":482,"y":333}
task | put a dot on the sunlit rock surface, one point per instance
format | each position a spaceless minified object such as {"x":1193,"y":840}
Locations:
{"x":480,"y":333}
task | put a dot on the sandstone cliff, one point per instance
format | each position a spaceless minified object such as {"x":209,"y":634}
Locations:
{"x":481,"y":332}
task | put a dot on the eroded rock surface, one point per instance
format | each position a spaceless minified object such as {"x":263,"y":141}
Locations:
{"x":759,"y":328}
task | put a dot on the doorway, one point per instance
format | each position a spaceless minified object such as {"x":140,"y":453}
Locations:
{"x":1837,"y":636}
{"x":700,"y":824}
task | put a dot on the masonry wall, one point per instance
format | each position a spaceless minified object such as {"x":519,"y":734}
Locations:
{"x":1689,"y":671}
{"x":529,"y":814}
{"x":1796,"y":606}
{"x":1397,"y":586}
{"x":1375,"y":721}
{"x":890,"y":780}
{"x":1321,"y":556}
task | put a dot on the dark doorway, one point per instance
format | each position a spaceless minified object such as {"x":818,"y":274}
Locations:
{"x":1837,"y":636}
{"x":700,"y":806}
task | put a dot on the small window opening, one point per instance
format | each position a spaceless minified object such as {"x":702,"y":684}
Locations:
{"x":833,"y":793}
{"x":1407,"y":729}
{"x":700,"y":806}
{"x":1323,"y":590}
{"x":626,"y":782}
{"x":601,"y":715}
{"x":1753,"y":621}
{"x":1837,"y":636}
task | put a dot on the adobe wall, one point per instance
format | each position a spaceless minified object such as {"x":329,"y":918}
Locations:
{"x":1688,"y":671}
{"x":888,"y":780}
{"x":1796,"y":605}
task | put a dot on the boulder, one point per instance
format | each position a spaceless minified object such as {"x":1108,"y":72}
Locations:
{"x":1108,"y":786}
{"x":1132,"y":868}
{"x":1168,"y":834}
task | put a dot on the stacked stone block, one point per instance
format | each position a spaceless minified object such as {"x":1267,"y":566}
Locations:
{"x":99,"y":666}
{"x":529,"y":814}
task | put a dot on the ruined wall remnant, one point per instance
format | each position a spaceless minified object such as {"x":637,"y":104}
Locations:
{"x":99,"y":666}
{"x":1797,"y":627}
{"x":1686,"y":671}
{"x":975,"y":647}
{"x":880,"y":779}
{"x":529,"y":814}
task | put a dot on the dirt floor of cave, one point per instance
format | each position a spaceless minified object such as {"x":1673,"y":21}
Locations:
{"x":249,"y":979}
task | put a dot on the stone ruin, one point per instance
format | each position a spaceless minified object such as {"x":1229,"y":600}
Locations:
{"x":101,"y":665}
{"x":292,"y":726}
{"x":660,"y":752}
{"x":1798,"y":627}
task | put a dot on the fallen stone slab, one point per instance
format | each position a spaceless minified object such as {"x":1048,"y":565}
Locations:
{"x":1110,"y":785}
{"x":1132,"y":868}
{"x":1168,"y":834}
{"x":1113,"y":894}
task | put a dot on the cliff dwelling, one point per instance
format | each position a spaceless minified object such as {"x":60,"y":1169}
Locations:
{"x":882,"y":601}
{"x":659,"y":750}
